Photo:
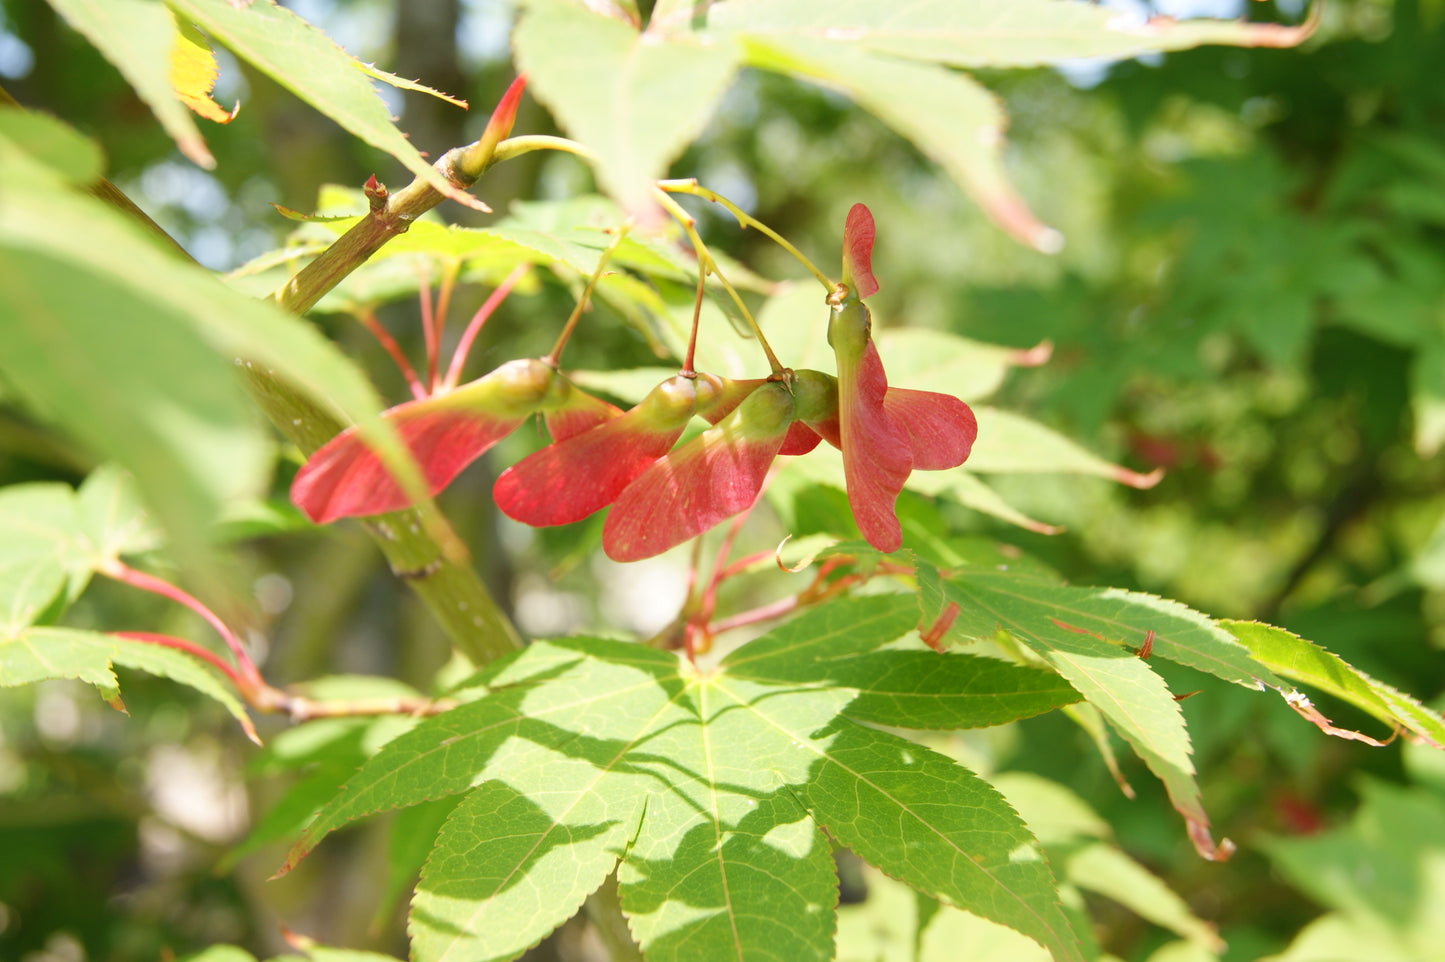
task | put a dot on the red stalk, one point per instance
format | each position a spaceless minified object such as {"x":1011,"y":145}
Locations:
{"x":464,"y":346}
{"x":120,"y":571}
{"x":369,"y":321}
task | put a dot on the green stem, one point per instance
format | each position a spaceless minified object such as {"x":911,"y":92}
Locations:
{"x":708,"y":265}
{"x":457,"y":598}
{"x":555,"y":357}
{"x":746,"y":220}
{"x":469,"y":615}
{"x":688,"y":361}
{"x":517,"y":146}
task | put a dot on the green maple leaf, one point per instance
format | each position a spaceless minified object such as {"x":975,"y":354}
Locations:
{"x":714,"y":791}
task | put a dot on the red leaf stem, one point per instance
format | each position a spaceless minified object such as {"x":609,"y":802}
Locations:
{"x":368,"y":319}
{"x":118,"y":570}
{"x":464,"y":346}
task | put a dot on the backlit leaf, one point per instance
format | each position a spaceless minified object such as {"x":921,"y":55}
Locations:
{"x":193,"y":73}
{"x":1011,"y":443}
{"x":134,"y":352}
{"x":980,"y":33}
{"x":1303,"y":661}
{"x":309,"y":64}
{"x":145,"y":43}
{"x":635,"y":102}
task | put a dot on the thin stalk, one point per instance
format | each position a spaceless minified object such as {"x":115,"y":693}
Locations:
{"x":265,"y":698}
{"x":468,"y":613}
{"x":301,"y":708}
{"x":368,"y":319}
{"x":190,"y":648}
{"x":517,"y":146}
{"x":450,"y":270}
{"x":430,"y":333}
{"x":687,"y":614}
{"x":821,"y":589}
{"x":688,"y":223}
{"x":745,"y":564}
{"x":768,"y":612}
{"x":464,"y":346}
{"x":687,"y":363}
{"x":746,"y":220}
{"x":555,"y":356}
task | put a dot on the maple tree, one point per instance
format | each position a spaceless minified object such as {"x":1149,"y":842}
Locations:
{"x":690,"y":790}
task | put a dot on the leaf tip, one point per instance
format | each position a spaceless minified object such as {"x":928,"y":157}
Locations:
{"x":1204,"y":843}
{"x":1012,"y":215}
{"x":1136,"y":480}
{"x":196,"y":151}
{"x":1035,"y":356}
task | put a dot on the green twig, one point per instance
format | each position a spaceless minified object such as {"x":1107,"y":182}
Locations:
{"x":555,"y":357}
{"x":708,"y":265}
{"x":471,"y":618}
{"x":746,"y":220}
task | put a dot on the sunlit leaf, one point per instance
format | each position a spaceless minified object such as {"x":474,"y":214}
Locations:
{"x":39,"y":552}
{"x":919,"y":688}
{"x":711,"y":789}
{"x":1305,"y":662}
{"x":112,"y":520}
{"x":40,"y":654}
{"x":1074,"y":631}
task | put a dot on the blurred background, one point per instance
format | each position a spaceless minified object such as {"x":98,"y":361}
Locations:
{"x":1252,"y":297}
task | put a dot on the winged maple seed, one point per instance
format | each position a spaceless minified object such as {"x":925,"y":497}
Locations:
{"x":883,"y":432}
{"x":662,"y":496}
{"x":445,"y":433}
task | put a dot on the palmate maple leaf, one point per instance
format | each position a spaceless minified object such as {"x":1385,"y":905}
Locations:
{"x":718,"y":792}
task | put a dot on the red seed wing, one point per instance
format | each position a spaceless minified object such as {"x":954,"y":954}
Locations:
{"x":941,"y":428}
{"x":858,"y":251}
{"x":582,"y":412}
{"x":567,"y":481}
{"x":800,"y":439}
{"x":877,"y":457}
{"x":706,"y":481}
{"x":345,"y":478}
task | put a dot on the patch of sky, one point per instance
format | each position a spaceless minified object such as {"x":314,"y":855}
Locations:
{"x":1085,"y":73}
{"x":231,"y":86}
{"x":484,"y":32}
{"x":16,"y":57}
{"x":362,"y":29}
